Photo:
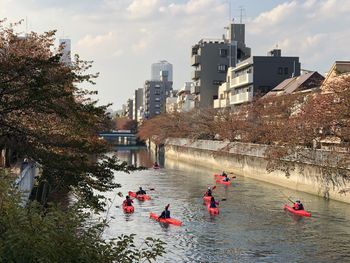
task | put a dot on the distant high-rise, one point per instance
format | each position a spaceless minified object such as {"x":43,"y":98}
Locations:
{"x":160,"y":66}
{"x":65,"y":45}
{"x":155,"y":94}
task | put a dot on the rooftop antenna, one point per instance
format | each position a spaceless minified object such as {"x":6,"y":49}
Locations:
{"x":26,"y":25}
{"x":229,"y":10}
{"x":241,"y":9}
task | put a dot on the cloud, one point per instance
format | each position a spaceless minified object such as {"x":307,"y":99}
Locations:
{"x":126,"y":36}
{"x":139,"y":9}
{"x":304,"y":28}
{"x":104,"y":45}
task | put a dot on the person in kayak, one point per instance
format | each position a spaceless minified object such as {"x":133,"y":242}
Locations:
{"x":208,"y":192}
{"x":165,"y":213}
{"x":128,"y":201}
{"x":298,"y":205}
{"x":155,"y":164}
{"x":141,"y":191}
{"x":213,"y":203}
{"x":225,"y":179}
{"x":223,"y":173}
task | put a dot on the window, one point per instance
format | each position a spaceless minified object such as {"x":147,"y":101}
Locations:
{"x":157,"y":99}
{"x":222,"y":68}
{"x":157,"y":106}
{"x":157,"y":112}
{"x":157,"y":92}
{"x":217,"y":82}
{"x":285,"y":71}
{"x":223,"y":52}
{"x":280,"y":71}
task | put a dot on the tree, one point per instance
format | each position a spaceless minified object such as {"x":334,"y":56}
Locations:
{"x":44,"y":115}
{"x":31,"y":234}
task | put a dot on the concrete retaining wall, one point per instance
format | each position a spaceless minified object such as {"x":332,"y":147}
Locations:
{"x":249,"y":160}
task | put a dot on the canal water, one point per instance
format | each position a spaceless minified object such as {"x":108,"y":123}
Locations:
{"x":251,"y":226}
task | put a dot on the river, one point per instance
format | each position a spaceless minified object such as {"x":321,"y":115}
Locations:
{"x":251,"y":226}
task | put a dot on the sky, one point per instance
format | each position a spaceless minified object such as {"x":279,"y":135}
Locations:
{"x":124,"y":37}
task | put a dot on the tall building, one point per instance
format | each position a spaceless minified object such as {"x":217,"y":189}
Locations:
{"x":129,"y":108}
{"x":157,"y":68}
{"x":137,"y":103}
{"x":65,"y":45}
{"x":155,"y":94}
{"x":211,"y":58}
{"x":256,"y":76}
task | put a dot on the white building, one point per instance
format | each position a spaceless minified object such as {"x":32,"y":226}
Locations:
{"x":185,"y":100}
{"x":65,"y":45}
{"x":157,"y":68}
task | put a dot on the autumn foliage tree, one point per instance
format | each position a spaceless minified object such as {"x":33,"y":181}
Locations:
{"x":44,"y":115}
{"x":293,"y":126}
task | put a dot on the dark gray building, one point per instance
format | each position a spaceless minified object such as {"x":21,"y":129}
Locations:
{"x":211,"y":58}
{"x":258,"y":75}
{"x":129,"y":108}
{"x":137,"y":103}
{"x":155,"y":94}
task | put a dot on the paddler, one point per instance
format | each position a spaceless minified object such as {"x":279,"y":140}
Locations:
{"x":208,"y":192}
{"x":141,"y":191}
{"x":213,"y":203}
{"x":128,"y":201}
{"x":298,"y":205}
{"x":225,"y":179}
{"x":165,"y":213}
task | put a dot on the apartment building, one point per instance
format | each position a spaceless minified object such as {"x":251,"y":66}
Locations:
{"x":155,"y":94}
{"x":256,"y":76}
{"x":211,"y":59}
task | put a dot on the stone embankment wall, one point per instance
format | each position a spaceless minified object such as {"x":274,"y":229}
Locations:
{"x":249,"y":160}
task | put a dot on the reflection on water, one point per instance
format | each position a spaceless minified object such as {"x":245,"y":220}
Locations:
{"x":138,"y":156}
{"x":251,"y":226}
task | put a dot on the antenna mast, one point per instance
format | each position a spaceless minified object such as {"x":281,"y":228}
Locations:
{"x":229,"y":10}
{"x":241,"y":9}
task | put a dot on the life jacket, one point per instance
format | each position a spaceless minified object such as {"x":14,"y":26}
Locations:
{"x":298,"y":206}
{"x":165,"y":214}
{"x":212,"y":204}
{"x":128,"y":202}
{"x":141,"y":192}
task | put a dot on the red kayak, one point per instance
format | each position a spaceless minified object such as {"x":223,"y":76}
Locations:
{"x":206,"y":199}
{"x":165,"y":220}
{"x":128,"y":208}
{"x":297,"y":212}
{"x":222,"y":182}
{"x":213,"y":211}
{"x":139,"y":197}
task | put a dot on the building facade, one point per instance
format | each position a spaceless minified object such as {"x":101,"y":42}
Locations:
{"x":155,"y":94}
{"x":129,"y":109}
{"x":256,"y":76}
{"x":137,"y":103}
{"x":211,"y":59}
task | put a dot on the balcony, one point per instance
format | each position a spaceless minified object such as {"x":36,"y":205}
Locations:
{"x":195,"y":60}
{"x":196,"y":74}
{"x":221,"y":103}
{"x":195,"y":89}
{"x":242,"y":80}
{"x":241,"y":97}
